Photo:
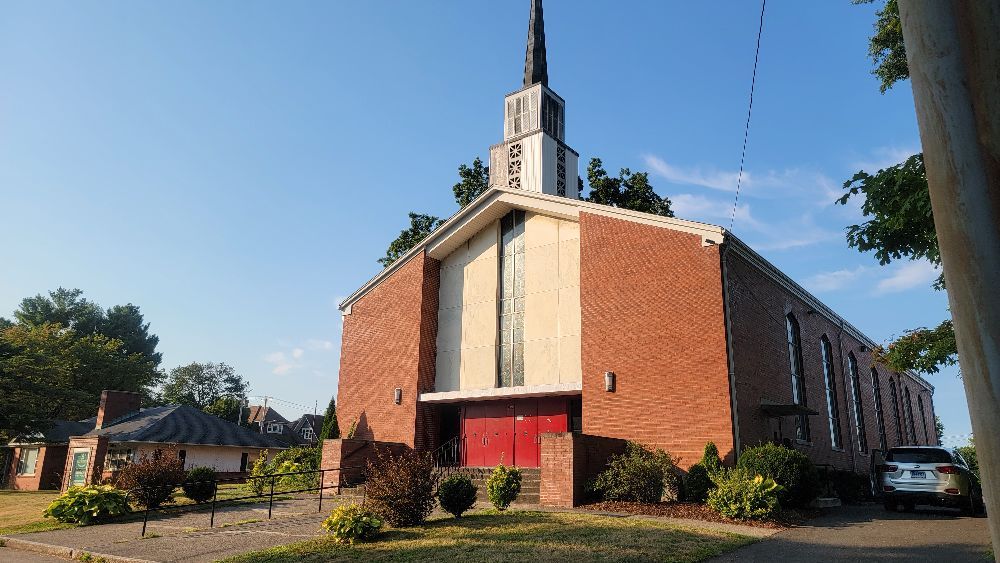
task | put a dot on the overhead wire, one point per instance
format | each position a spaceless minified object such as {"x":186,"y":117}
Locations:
{"x":746,"y":129}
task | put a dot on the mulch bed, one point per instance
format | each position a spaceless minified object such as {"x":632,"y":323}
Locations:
{"x":787,"y":518}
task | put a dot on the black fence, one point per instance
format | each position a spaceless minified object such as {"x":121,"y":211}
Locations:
{"x":266,"y":483}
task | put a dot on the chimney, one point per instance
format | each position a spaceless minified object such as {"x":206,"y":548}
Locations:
{"x":116,"y":404}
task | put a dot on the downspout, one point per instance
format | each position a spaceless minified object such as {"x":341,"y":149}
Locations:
{"x":733,"y":402}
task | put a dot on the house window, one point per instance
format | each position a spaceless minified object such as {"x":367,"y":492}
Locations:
{"x":911,"y":431}
{"x":832,"y":405}
{"x":879,"y":416}
{"x":510,"y":360}
{"x":26,"y":461}
{"x":798,"y":375}
{"x":273,"y":428}
{"x":895,"y":411}
{"x":118,"y":458}
{"x":182,"y":455}
{"x":308,"y":434}
{"x":923,"y":419}
{"x":244,"y":461}
{"x":858,"y":407}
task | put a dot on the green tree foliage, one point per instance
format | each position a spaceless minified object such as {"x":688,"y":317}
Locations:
{"x":885,"y":47}
{"x":50,"y":372}
{"x":201,"y":385}
{"x":331,"y":428}
{"x":420,"y":227}
{"x":474,"y":180}
{"x":227,"y":408}
{"x":969,"y":453}
{"x":628,"y":191}
{"x":938,"y":428}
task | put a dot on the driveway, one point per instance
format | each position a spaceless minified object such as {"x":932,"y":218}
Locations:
{"x":870,"y":533}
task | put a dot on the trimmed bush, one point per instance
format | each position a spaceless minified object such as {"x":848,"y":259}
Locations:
{"x":257,"y":481}
{"x":151,"y":480}
{"x":457,"y":494}
{"x":84,"y":505}
{"x":352,"y":523}
{"x":503,"y":486}
{"x":697,"y":484}
{"x":400,"y":488}
{"x":638,"y":475}
{"x":199,"y":485}
{"x":737,"y":494}
{"x":710,"y":458}
{"x":789,"y":468}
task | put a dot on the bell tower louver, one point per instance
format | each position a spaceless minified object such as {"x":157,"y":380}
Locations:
{"x":534,"y":155}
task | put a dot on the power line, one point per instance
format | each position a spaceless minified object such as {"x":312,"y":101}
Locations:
{"x":746,"y":130}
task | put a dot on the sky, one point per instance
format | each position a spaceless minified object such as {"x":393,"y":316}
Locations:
{"x":237,"y":168}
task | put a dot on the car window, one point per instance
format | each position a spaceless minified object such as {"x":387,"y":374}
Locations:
{"x":918,"y":455}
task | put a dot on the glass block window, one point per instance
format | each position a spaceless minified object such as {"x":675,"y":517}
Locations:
{"x":832,"y":404}
{"x":879,"y":416}
{"x":510,"y":368}
{"x":858,"y":408}
{"x":798,"y":375}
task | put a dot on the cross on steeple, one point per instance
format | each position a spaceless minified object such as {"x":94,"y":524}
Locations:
{"x":535,"y":68}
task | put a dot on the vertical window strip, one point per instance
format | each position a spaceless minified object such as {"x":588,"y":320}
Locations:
{"x":859,"y":411}
{"x":895,"y":411}
{"x":798,"y":375}
{"x":911,"y":430}
{"x":923,"y":419}
{"x":879,"y":415}
{"x":510,"y":369}
{"x":832,"y":405}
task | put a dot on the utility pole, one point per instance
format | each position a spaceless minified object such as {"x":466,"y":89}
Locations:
{"x":953,"y":53}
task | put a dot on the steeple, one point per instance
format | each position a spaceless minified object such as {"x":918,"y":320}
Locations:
{"x":535,"y":68}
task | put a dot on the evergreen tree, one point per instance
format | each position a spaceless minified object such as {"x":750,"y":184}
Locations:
{"x":331,"y":430}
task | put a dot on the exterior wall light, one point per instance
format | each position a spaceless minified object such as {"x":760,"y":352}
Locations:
{"x":609,"y":381}
{"x":397,"y":395}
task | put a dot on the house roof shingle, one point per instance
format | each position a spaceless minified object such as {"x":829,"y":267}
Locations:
{"x":181,"y":424}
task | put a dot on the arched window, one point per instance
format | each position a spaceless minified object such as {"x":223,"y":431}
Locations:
{"x":879,"y":414}
{"x":911,"y":431}
{"x":832,"y":405}
{"x":798,"y":375}
{"x":923,"y":420}
{"x":895,"y":411}
{"x":858,"y":408}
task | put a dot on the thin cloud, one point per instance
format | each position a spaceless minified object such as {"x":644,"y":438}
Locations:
{"x":884,"y":157}
{"x":317,"y":344}
{"x":714,"y":179}
{"x":833,"y":281}
{"x":282,"y":363}
{"x":908,"y":276}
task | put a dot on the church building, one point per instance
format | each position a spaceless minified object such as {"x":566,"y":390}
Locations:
{"x":537,"y":329}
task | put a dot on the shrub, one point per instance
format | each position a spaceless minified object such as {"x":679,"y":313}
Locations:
{"x":401,"y":488}
{"x":851,"y":487}
{"x":503,"y":486}
{"x":199,"y":485}
{"x":256,"y":483}
{"x":710,"y":458}
{"x":353,"y":522}
{"x":456,"y":493}
{"x":738,"y":494}
{"x":151,"y":480}
{"x":83,"y":505}
{"x":697,"y":484}
{"x":638,"y":475}
{"x":789,"y":468}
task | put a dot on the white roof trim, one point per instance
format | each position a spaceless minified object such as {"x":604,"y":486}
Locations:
{"x":491,"y":393}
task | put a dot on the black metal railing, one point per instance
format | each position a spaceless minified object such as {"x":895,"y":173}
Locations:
{"x":449,"y":454}
{"x":268,"y":484}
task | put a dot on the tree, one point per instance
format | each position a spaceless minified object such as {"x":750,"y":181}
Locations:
{"x":897,"y":206}
{"x":473,"y":182}
{"x":226,"y":408}
{"x":202,"y":385}
{"x":969,"y":453}
{"x":420,"y":227}
{"x":126,"y":323}
{"x":938,"y":428}
{"x":628,"y":190}
{"x":331,"y":429}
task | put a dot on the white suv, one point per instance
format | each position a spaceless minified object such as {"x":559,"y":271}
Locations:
{"x":914,"y":475}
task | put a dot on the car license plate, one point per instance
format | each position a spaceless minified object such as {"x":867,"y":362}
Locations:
{"x":918,"y":474}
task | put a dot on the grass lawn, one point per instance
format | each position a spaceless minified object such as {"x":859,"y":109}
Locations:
{"x":21,"y":511}
{"x":518,"y":536}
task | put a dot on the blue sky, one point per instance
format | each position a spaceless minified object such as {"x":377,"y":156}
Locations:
{"x":236,"y":168}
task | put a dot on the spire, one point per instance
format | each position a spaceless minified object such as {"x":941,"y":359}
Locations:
{"x":535,"y":68}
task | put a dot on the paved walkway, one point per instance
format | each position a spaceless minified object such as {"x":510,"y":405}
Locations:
{"x":870,"y":533}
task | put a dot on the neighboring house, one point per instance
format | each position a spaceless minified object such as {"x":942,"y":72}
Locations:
{"x":76,"y":453}
{"x":301,"y":432}
{"x":532,"y":327}
{"x":38,"y":459}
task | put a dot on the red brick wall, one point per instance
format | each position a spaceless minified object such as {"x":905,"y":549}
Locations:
{"x":349,"y":458}
{"x":48,"y":469}
{"x":389,"y":342}
{"x":652,"y":312}
{"x":569,"y":461}
{"x":115,"y":404}
{"x":758,"y":305}
{"x":98,"y":447}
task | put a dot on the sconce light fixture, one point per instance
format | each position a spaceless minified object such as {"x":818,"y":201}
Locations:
{"x":609,"y":381}
{"x":397,"y":395}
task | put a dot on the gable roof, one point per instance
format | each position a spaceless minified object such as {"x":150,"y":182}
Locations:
{"x":314,"y":421}
{"x":260,"y":413}
{"x":58,"y":432}
{"x":182,"y":424}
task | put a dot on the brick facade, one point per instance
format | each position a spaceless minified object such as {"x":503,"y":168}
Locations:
{"x":388,"y":343}
{"x":98,"y":447}
{"x":349,"y":458}
{"x":569,"y":461}
{"x":758,"y":306}
{"x":652,"y":312}
{"x":48,"y":468}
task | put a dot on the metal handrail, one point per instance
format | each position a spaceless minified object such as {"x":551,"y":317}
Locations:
{"x":449,"y":453}
{"x":322,"y":486}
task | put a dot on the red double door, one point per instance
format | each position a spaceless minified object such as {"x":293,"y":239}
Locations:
{"x":507,"y":431}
